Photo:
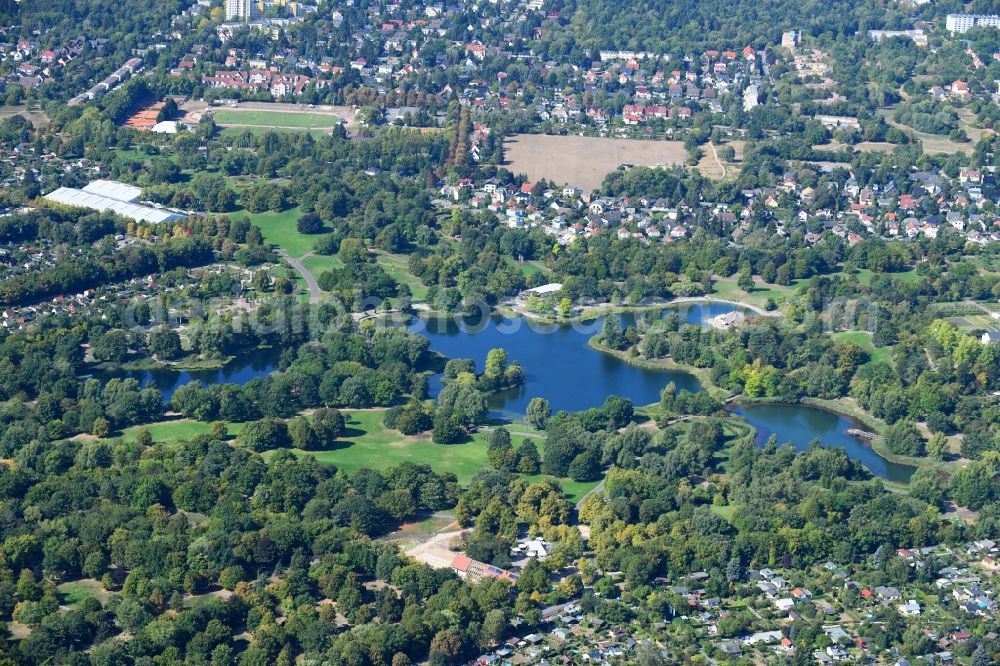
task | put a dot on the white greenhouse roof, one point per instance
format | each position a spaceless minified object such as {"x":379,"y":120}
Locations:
{"x":83,"y":199}
{"x":112,"y":189}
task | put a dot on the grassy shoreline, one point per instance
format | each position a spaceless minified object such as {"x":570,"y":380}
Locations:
{"x":183,"y":364}
{"x":844,"y":407}
{"x":604,"y":309}
{"x":703,"y":375}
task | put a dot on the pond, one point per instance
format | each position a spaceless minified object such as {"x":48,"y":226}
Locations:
{"x":258,"y":363}
{"x":799,"y":424}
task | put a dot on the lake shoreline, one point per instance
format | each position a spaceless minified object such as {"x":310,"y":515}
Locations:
{"x":701,"y":374}
{"x":598,"y":310}
{"x":743,"y":402}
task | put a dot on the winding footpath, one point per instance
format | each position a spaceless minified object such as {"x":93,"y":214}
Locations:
{"x":314,"y":290}
{"x":715,"y":155}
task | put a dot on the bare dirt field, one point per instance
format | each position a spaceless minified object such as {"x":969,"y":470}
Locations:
{"x":258,"y":114}
{"x":864,"y":146}
{"x":37,"y":118}
{"x":712,"y":166}
{"x":584,"y":161}
{"x":739,"y":146}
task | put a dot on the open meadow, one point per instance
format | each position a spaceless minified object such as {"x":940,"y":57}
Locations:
{"x":368,"y":443}
{"x":937,"y":144}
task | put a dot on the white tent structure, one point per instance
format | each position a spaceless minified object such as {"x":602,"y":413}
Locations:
{"x":109,"y":195}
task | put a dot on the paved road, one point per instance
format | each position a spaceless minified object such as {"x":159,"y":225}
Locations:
{"x":314,"y":290}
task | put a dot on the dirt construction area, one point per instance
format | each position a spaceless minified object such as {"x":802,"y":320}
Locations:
{"x":584,"y":161}
{"x":435,"y":551}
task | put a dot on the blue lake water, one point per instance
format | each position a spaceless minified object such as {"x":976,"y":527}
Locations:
{"x":243,"y":368}
{"x":800,"y":424}
{"x":562,"y":368}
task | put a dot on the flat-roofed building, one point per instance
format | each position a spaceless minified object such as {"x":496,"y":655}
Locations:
{"x":115,"y":197}
{"x":963,"y":23}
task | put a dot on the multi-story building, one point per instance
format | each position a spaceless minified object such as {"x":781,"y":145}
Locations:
{"x":243,"y":10}
{"x":964,"y":22}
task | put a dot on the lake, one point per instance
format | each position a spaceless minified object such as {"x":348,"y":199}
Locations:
{"x":799,"y":424}
{"x":560,"y":365}
{"x":528,"y":344}
{"x":562,"y":368}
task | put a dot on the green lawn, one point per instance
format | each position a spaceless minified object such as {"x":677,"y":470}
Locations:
{"x":279,"y":229}
{"x":528,"y":268}
{"x":574,"y":490}
{"x":76,"y":592}
{"x":909,"y":276}
{"x":432,"y":523}
{"x":316,"y":264}
{"x":726,"y":289}
{"x":171,"y":432}
{"x":396,"y":265}
{"x":370,"y":444}
{"x":724,"y":511}
{"x":275,"y":119}
{"x":863,"y":339}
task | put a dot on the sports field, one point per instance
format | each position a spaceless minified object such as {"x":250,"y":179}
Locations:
{"x":287,"y":119}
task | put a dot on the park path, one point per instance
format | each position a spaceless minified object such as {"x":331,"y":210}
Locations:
{"x":520,"y":433}
{"x":599,"y":488}
{"x":296,"y":263}
{"x":715,"y":155}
